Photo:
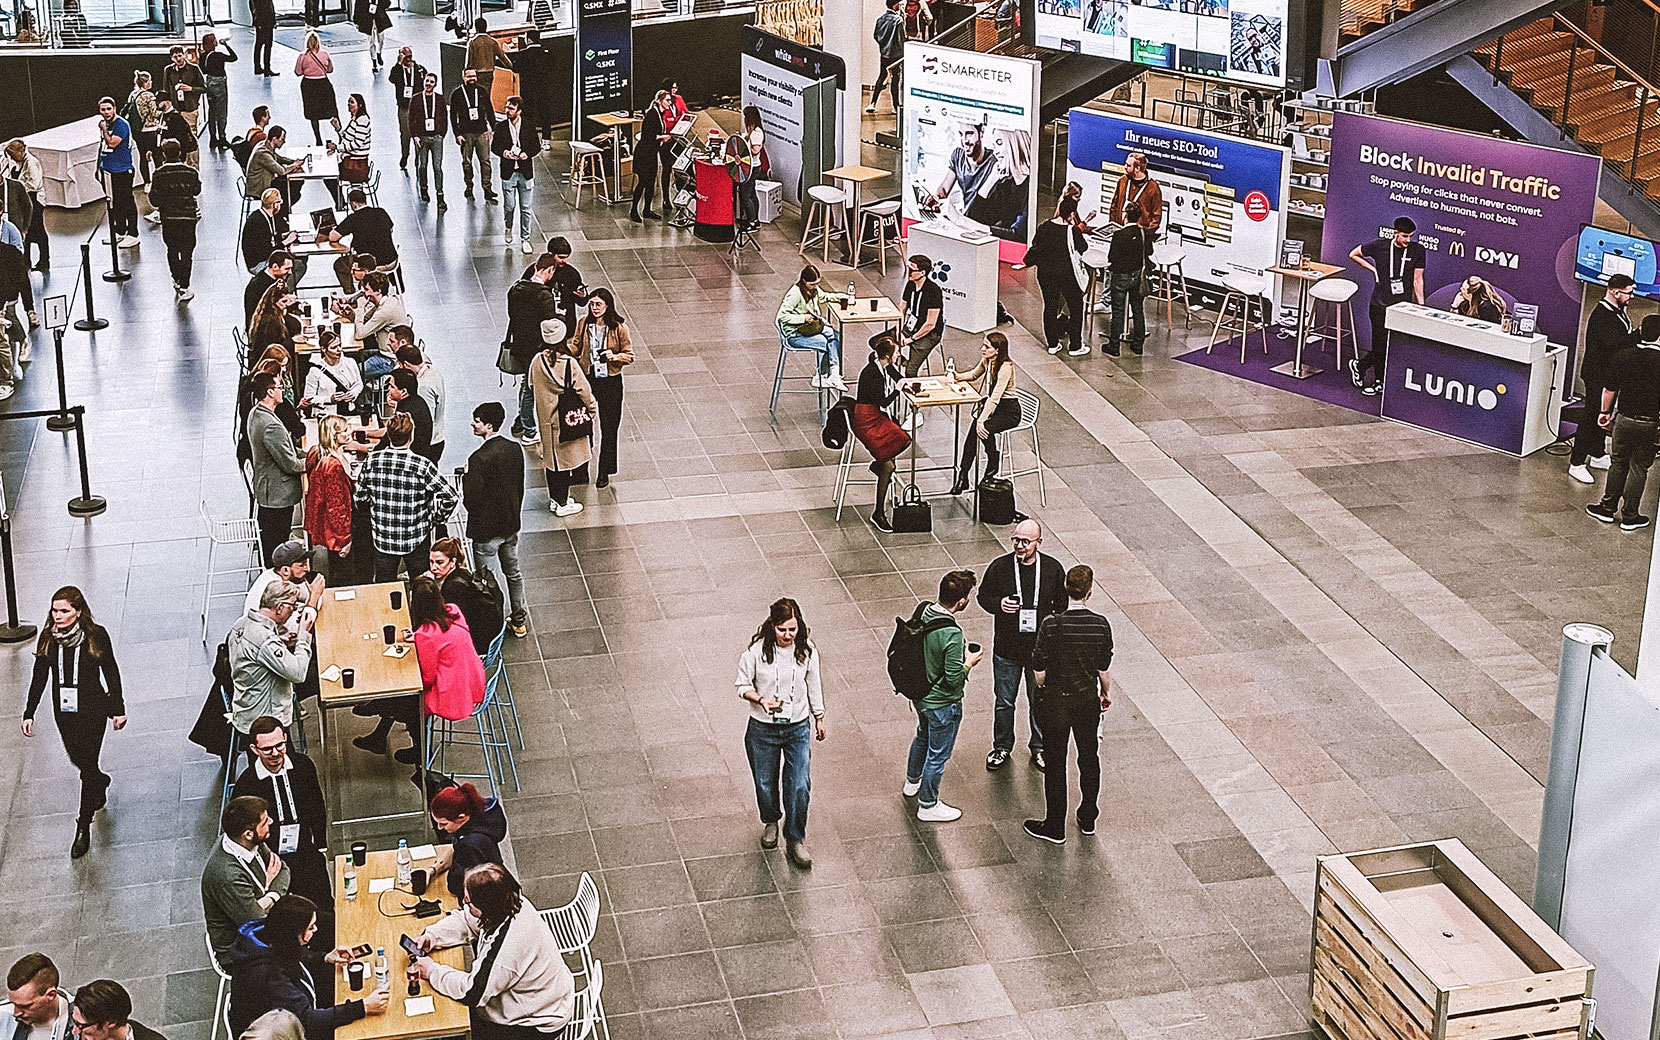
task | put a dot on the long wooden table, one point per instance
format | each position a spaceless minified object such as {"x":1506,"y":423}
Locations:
{"x":365,"y":920}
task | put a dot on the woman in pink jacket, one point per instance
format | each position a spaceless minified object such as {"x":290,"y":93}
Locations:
{"x":452,"y":675}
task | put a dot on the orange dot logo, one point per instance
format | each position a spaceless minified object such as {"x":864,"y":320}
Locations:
{"x":1500,"y":388}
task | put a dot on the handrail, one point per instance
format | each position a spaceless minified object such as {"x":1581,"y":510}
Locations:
{"x":1603,"y":54}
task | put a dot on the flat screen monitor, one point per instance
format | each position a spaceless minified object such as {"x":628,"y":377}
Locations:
{"x":1603,"y":253}
{"x":1246,"y":41}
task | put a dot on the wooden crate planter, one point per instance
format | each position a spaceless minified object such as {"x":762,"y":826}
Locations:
{"x":1423,"y":942}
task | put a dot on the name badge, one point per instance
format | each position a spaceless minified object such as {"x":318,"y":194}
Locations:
{"x":1397,"y":286}
{"x":1028,"y":620}
{"x":432,"y":126}
{"x":409,"y":90}
{"x":472,"y":113}
{"x":69,"y":699}
{"x":288,"y":839}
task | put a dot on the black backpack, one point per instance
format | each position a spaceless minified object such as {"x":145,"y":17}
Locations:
{"x":907,"y":659}
{"x":837,"y":425}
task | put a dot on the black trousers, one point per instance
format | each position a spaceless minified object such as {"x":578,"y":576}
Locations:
{"x":276,"y":523}
{"x":647,"y":171}
{"x":888,"y":75}
{"x":83,"y":742}
{"x":262,"y":48}
{"x":1080,"y":715}
{"x":1006,"y":416}
{"x":415,"y":562}
{"x":1063,"y":293}
{"x":559,"y":484}
{"x":36,"y":234}
{"x":309,"y":875}
{"x":1374,"y":359}
{"x":1590,"y":440}
{"x":608,"y":394}
{"x":483,"y":1029}
{"x":123,"y":210}
{"x":180,"y":239}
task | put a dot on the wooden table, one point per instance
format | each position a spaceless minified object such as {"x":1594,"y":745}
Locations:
{"x":306,"y":342}
{"x":1305,"y":276}
{"x":856,"y":177}
{"x":616,"y":122}
{"x":321,"y":164}
{"x":360,"y":920}
{"x":885,"y":314}
{"x":934,"y":392}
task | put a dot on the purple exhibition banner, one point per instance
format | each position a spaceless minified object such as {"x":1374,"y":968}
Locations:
{"x":1461,"y":393}
{"x":1506,"y":211}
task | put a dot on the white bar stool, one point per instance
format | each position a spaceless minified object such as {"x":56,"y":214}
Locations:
{"x":1340,"y":293}
{"x":587,"y":170}
{"x":844,"y":475}
{"x":1168,"y":257}
{"x":1243,"y":291}
{"x":824,"y":200}
{"x":1027,"y":424}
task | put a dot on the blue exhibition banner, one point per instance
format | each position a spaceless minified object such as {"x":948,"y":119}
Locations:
{"x":604,"y":57}
{"x":1461,"y":393}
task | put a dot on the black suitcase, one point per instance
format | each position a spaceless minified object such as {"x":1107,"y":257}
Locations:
{"x":996,"y":501}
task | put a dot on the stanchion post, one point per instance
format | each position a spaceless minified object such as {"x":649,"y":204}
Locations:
{"x":90,"y":323}
{"x":57,"y":317}
{"x":88,"y":504}
{"x":12,"y":631}
{"x":114,"y":274}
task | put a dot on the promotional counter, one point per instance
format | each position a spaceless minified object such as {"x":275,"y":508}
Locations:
{"x":1468,"y":378}
{"x":714,"y":202}
{"x":965,"y":266}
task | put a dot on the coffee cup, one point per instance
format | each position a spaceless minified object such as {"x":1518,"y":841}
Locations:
{"x":389,"y":633}
{"x":397,"y":599}
{"x":348,"y":678}
{"x":360,"y":854}
{"x":418,"y":881}
{"x":873,"y":305}
{"x":354,"y":975}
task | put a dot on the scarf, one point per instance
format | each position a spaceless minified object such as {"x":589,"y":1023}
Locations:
{"x":71,"y":639}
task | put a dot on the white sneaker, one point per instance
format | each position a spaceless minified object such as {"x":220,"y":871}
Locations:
{"x":525,"y":245}
{"x":939,"y":812}
{"x":1056,"y":349}
{"x":835,"y":381}
{"x":910,"y":789}
{"x":818,"y":382}
{"x":530,"y":439}
{"x":1078,"y":351}
{"x":1598,"y":462}
{"x":185,"y":294}
{"x":1581,"y":474}
{"x":912,"y":423}
{"x":154,"y":217}
{"x":570,"y":508}
{"x":127,"y":241}
{"x":507,"y":237}
{"x":6,"y":391}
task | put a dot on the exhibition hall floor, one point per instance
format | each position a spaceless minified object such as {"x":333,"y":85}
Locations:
{"x":1333,"y":633}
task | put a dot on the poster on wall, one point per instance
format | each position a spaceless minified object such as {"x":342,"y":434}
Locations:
{"x":604,"y":57}
{"x":775,"y":72}
{"x":1505,"y":211}
{"x":1242,"y":40}
{"x":971,"y":122}
{"x":1223,"y":196}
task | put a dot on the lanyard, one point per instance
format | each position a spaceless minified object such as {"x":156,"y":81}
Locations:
{"x":1037,"y":579}
{"x":427,"y":103}
{"x":286,"y":810}
{"x":1139,"y":190}
{"x":66,"y":669}
{"x":1398,"y":272}
{"x":271,"y":220}
{"x":1619,"y":312}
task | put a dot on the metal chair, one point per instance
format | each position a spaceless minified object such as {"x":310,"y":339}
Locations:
{"x":880,"y":212}
{"x":1243,"y":290}
{"x":1340,"y":293}
{"x":224,"y":533}
{"x":495,"y":671}
{"x":442,"y":733}
{"x":587,"y":170}
{"x":371,"y":187}
{"x":824,"y":200}
{"x":1027,"y":424}
{"x":221,"y":1002}
{"x":1167,"y":258}
{"x":573,"y":926}
{"x":779,"y":378}
{"x":844,"y":472}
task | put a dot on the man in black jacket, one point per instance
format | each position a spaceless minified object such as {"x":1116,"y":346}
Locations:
{"x":470,"y":121}
{"x":1607,"y":333}
{"x":534,"y":64}
{"x":265,"y":24}
{"x":173,"y":191}
{"x":407,"y":78}
{"x":565,"y":283}
{"x":529,"y":303}
{"x":279,"y":265}
{"x":287,"y":780}
{"x":516,"y":144}
{"x":1019,"y":590}
{"x":493,"y":490}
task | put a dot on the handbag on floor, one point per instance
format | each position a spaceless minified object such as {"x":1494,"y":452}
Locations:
{"x":995,"y":500}
{"x":911,"y":515}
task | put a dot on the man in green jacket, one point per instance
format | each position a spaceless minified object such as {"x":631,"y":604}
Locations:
{"x":243,"y":877}
{"x":939,"y":714}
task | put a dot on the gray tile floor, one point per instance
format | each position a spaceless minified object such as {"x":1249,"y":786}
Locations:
{"x":1334,"y":633}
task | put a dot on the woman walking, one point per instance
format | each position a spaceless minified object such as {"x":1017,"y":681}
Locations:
{"x":145,"y":122}
{"x":778,"y":674}
{"x":873,"y":422}
{"x":1057,"y":253}
{"x":372,"y":20}
{"x":553,"y":373}
{"x":470,"y":829}
{"x":216,"y":54}
{"x":75,"y":654}
{"x":314,"y":66}
{"x":997,"y":411}
{"x":602,"y":342}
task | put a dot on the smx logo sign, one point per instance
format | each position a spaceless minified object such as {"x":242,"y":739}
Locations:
{"x":1432,"y":385}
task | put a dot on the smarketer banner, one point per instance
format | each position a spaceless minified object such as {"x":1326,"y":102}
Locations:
{"x":774,"y":72}
{"x":1222,"y":195}
{"x":970,"y":123}
{"x":604,"y":57}
{"x":1505,"y":211}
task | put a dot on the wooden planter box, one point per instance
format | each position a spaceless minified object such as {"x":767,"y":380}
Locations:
{"x":1423,"y":942}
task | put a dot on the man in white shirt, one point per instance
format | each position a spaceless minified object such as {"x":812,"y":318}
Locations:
{"x":291,"y":562}
{"x":288,"y":782}
{"x":242,"y":877}
{"x":39,"y":1006}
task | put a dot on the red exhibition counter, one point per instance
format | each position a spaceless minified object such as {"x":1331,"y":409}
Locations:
{"x":714,"y":202}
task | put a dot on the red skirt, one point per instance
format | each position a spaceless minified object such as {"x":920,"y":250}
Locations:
{"x":880,"y":435}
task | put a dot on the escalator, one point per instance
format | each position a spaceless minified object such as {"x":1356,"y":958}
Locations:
{"x":1414,"y":36}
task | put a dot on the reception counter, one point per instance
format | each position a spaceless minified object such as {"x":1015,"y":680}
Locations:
{"x":1468,"y":378}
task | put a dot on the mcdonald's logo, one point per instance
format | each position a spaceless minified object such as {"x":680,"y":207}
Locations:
{"x":1455,"y":249}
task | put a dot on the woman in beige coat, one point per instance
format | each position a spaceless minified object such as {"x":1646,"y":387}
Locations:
{"x":551,"y":373}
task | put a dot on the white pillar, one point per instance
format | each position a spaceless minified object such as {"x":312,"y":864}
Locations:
{"x":846,"y":33}
{"x":1648,"y":650}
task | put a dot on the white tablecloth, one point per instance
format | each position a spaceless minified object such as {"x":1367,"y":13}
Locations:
{"x":69,"y":163}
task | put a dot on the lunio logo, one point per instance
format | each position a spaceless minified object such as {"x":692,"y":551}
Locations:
{"x":1429,"y":383}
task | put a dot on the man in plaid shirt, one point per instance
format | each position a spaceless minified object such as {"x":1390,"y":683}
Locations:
{"x":406,"y":497}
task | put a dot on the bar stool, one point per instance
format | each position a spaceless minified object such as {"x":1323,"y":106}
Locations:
{"x":371,"y":187}
{"x":1168,"y":257}
{"x":1242,"y":291}
{"x":1027,"y":424}
{"x":779,"y":378}
{"x":587,"y":170}
{"x":247,"y":203}
{"x":844,"y":474}
{"x":1340,"y":293}
{"x":824,"y":198}
{"x":882,"y":212}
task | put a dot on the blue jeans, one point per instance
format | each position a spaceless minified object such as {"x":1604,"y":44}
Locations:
{"x":506,"y":552}
{"x":1005,"y":685}
{"x":827,"y":343}
{"x":429,"y":151}
{"x":515,"y":191}
{"x":768,"y":746}
{"x":527,"y":406}
{"x":936,"y":735}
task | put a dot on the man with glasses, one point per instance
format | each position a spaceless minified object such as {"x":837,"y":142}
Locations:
{"x":270,"y":651}
{"x":103,"y":1011}
{"x":287,"y":781}
{"x":1019,"y":590}
{"x":923,"y":324}
{"x":1607,"y":333}
{"x":40,"y":1008}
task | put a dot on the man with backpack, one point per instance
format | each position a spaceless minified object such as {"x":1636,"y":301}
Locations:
{"x":929,"y":663}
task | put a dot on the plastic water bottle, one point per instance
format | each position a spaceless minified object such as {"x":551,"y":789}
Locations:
{"x":951,"y":371}
{"x":350,"y":879}
{"x":403,"y":862}
{"x":380,"y":967}
{"x":851,"y":295}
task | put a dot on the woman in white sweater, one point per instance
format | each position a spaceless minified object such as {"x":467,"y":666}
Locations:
{"x":519,"y":987}
{"x":778,"y":674}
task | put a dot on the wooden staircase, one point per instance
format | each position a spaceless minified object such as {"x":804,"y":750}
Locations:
{"x":1360,"y":17}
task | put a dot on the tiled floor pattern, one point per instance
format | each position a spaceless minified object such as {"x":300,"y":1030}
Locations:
{"x":1333,"y":633}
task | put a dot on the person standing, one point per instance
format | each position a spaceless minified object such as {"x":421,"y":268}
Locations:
{"x":749,"y":201}
{"x":1071,"y":660}
{"x":1127,"y":256}
{"x":1633,"y":383}
{"x":242,"y":878}
{"x":1020,"y":590}
{"x":406,"y":496}
{"x":923,"y":325}
{"x":216,"y":54}
{"x":889,"y":34}
{"x":1057,"y":251}
{"x":314,"y":66}
{"x":184,"y":83}
{"x":288,"y":783}
{"x":654,"y":134}
{"x":115,"y":159}
{"x":530,"y":303}
{"x":778,"y":674}
{"x":75,"y":654}
{"x":22,"y":165}
{"x":407,"y":78}
{"x":484,"y":53}
{"x":373,"y":18}
{"x":103,"y":1010}
{"x":517,"y":146}
{"x":141,"y":114}
{"x":1401,"y":280}
{"x":873,"y":421}
{"x":939,"y":714}
{"x":277,"y":464}
{"x":552,"y":373}
{"x":534,"y":63}
{"x":173,"y":191}
{"x":264,"y":15}
{"x":429,"y":124}
{"x":470,"y":120}
{"x":603,"y":344}
{"x":1608,"y":332}
{"x":493,"y":490}
{"x":1135,"y":185}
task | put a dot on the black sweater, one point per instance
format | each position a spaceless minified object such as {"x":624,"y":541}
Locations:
{"x":874,"y":384}
{"x":308,"y":800}
{"x":1130,"y":249}
{"x":493,"y":490}
{"x":1605,"y":336}
{"x":1051,"y":252}
{"x":1008,"y":641}
{"x":97,"y":678}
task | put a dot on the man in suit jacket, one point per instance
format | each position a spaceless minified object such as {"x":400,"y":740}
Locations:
{"x":287,"y":781}
{"x":493,"y":488}
{"x":278,"y":466}
{"x":243,"y":877}
{"x":278,"y":266}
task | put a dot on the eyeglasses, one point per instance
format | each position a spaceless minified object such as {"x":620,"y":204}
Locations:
{"x":271,"y":749}
{"x":1018,"y":540}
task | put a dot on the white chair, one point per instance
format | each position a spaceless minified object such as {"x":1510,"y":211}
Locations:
{"x":1027,"y":424}
{"x":881,"y":213}
{"x":223,"y":534}
{"x":587,"y":1010}
{"x":573,"y":926}
{"x":1340,"y":293}
{"x":844,"y":472}
{"x":221,"y":1002}
{"x":1167,"y":258}
{"x":587,"y":170}
{"x":779,"y":378}
{"x":1249,"y":311}
{"x":824,"y":201}
{"x":1094,"y":260}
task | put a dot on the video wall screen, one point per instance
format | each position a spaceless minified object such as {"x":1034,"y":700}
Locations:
{"x":1244,"y":40}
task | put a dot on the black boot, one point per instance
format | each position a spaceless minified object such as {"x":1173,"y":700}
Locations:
{"x":83,"y":841}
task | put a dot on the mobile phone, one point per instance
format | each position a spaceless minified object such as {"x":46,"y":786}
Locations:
{"x":410,"y":946}
{"x":363,"y":950}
